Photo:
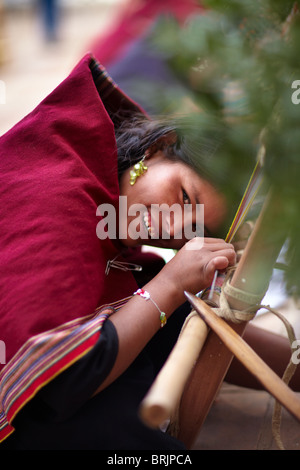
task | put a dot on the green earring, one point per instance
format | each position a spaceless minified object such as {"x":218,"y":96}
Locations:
{"x":138,"y":170}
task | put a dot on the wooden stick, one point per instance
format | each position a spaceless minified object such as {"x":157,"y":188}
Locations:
{"x":203,"y":385}
{"x":248,"y":357}
{"x":165,"y":393}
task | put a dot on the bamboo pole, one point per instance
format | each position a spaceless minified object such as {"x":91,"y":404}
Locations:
{"x":255,"y":268}
{"x":157,"y":407}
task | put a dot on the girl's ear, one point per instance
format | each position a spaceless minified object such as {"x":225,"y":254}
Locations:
{"x":164,"y":141}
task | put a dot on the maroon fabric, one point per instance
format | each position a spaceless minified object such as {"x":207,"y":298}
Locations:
{"x":56,"y":166}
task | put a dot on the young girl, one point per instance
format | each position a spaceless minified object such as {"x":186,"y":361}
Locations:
{"x":83,"y":343}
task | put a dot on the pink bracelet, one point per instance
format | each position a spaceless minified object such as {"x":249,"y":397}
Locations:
{"x":145,"y":294}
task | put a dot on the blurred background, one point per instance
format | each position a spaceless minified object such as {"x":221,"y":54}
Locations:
{"x":40,"y":42}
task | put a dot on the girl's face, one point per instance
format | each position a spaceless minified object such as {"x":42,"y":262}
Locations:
{"x":150,"y":219}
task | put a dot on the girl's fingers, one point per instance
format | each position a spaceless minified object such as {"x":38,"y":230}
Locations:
{"x":220,"y":263}
{"x":210,"y":244}
{"x":217,"y":263}
{"x":213,"y":251}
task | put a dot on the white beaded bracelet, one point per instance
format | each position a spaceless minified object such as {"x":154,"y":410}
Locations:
{"x":145,"y":294}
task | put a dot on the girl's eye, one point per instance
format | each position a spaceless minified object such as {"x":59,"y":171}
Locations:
{"x":185,"y":197}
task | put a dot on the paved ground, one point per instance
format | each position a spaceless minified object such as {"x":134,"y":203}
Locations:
{"x":240,"y":419}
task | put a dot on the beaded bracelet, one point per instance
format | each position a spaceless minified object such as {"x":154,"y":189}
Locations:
{"x":145,"y":294}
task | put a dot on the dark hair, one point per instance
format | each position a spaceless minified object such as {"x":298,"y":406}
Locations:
{"x":135,"y":135}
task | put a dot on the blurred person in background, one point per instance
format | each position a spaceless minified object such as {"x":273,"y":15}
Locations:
{"x":49,"y":13}
{"x":128,"y":52}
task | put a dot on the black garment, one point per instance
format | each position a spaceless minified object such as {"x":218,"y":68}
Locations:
{"x":63,"y":416}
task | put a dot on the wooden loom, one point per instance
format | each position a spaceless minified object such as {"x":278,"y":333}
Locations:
{"x":195,"y":370}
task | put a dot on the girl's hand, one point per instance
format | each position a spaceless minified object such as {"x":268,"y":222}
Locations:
{"x":192,"y":268}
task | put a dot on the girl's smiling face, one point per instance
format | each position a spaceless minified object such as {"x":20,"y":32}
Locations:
{"x":168,"y":183}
